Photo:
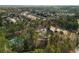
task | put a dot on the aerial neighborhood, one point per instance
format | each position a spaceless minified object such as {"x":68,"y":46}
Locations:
{"x":39,"y":29}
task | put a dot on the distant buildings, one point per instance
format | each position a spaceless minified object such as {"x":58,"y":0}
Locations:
{"x":28,"y":15}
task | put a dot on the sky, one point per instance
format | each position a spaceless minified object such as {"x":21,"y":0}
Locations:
{"x":39,"y":2}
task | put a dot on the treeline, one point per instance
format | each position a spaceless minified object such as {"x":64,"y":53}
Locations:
{"x":68,"y":23}
{"x":28,"y":39}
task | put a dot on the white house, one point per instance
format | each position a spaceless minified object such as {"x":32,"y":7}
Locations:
{"x":52,"y":28}
{"x":31,"y":17}
{"x":58,"y":30}
{"x":12,"y":20}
